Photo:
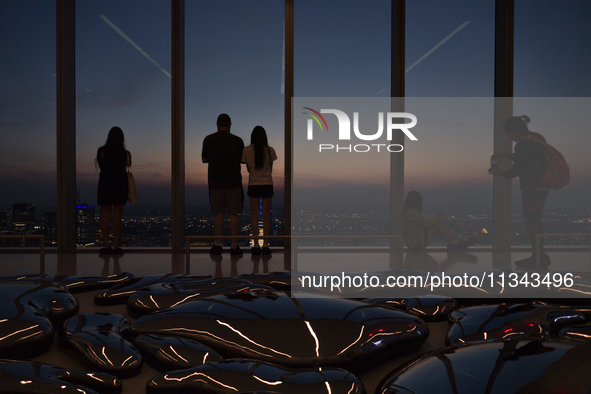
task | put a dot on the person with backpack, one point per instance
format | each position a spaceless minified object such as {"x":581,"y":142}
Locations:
{"x":540,"y":168}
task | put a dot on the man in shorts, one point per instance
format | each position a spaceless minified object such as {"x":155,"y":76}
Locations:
{"x":223,"y":153}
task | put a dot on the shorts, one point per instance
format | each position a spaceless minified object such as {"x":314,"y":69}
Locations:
{"x":226,"y":200}
{"x":262,"y":191}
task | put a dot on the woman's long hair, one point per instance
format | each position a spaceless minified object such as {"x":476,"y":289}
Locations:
{"x":114,"y":146}
{"x":413,"y":200}
{"x":258,"y":138}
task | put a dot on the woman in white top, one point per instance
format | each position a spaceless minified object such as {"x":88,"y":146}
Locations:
{"x":259,"y":157}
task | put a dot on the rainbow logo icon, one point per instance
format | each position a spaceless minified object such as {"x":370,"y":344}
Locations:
{"x":316,"y":117}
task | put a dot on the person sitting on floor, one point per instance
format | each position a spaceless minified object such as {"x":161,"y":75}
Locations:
{"x":420,"y":232}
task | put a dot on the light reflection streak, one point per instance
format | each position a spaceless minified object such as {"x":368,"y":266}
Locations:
{"x":258,"y":344}
{"x":19,"y":331}
{"x":357,"y":340}
{"x":133,"y":44}
{"x":165,"y":355}
{"x":328,"y":387}
{"x":29,"y":336}
{"x":106,"y":357}
{"x":579,"y":334}
{"x":154,"y":301}
{"x":179,"y":356}
{"x":217,"y":338}
{"x":267,"y":382}
{"x":126,"y":360}
{"x":574,"y":290}
{"x":91,"y":375}
{"x":166,"y":377}
{"x":315,"y":337}
{"x":141,"y":303}
{"x":185,"y":299}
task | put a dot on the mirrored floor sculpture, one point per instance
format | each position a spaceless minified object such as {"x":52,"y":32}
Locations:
{"x":29,"y":377}
{"x":119,"y":293}
{"x":510,"y":366}
{"x":248,"y":376}
{"x":501,"y":321}
{"x":280,"y":280}
{"x":98,"y":339}
{"x":28,"y":314}
{"x":299,"y":332}
{"x":427,"y":307}
{"x":167,"y":295}
{"x":172,"y":353}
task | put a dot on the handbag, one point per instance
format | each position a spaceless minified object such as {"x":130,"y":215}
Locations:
{"x":131,"y":192}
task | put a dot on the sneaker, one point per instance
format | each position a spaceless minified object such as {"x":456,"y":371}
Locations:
{"x":216,"y":250}
{"x":235,"y":250}
{"x":266,"y":251}
{"x":255,"y":251}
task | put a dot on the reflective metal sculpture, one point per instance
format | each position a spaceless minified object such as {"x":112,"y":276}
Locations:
{"x":511,"y":366}
{"x":172,"y":353}
{"x":28,"y":377}
{"x":302,"y":332}
{"x":119,"y":293}
{"x":28,"y":313}
{"x":248,"y":376}
{"x":74,"y":284}
{"x":502,"y":321}
{"x":429,"y":307}
{"x":97,"y":339}
{"x":166,"y":295}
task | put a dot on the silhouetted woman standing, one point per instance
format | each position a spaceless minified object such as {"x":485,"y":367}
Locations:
{"x":259,"y":157}
{"x":530,"y":162}
{"x":112,"y":159}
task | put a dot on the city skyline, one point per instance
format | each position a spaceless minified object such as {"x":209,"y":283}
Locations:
{"x":238,"y":70}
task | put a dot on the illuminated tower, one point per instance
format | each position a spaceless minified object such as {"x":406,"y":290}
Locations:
{"x":85,"y":225}
{"x":50,"y":227}
{"x":23,"y":218}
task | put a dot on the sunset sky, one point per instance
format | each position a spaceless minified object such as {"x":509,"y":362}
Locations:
{"x":234,"y":53}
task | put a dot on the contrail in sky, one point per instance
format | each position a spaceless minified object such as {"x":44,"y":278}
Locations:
{"x":133,"y":44}
{"x":453,"y":33}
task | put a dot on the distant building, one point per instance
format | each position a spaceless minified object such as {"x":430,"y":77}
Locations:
{"x":3,"y":222}
{"x":85,"y":225}
{"x":50,"y":228}
{"x":23,"y":218}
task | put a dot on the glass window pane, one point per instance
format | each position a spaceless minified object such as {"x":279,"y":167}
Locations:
{"x":234,"y":65}
{"x":123,"y":79}
{"x":28,"y":117}
{"x":552,"y":59}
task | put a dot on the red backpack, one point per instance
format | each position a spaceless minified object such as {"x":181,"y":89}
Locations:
{"x":558,"y":174}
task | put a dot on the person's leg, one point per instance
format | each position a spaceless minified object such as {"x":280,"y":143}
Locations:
{"x":234,"y":204}
{"x":218,"y":227}
{"x":266,"y":219}
{"x":105,"y":223}
{"x":254,"y":222}
{"x":533,"y":201}
{"x":117,"y":224}
{"x":234,"y":226}
{"x":216,"y":202}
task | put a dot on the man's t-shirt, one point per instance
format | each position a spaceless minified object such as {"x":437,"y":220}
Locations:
{"x":223,"y":152}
